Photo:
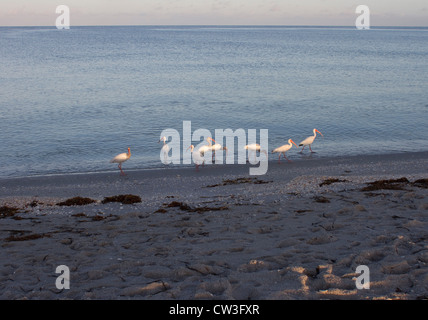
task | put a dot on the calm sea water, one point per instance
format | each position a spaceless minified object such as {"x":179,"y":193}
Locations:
{"x":72,"y":99}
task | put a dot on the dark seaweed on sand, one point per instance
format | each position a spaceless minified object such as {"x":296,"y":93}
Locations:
{"x":6,"y":211}
{"x":181,"y":205}
{"x":76,"y":201}
{"x":227,"y":182}
{"x":395,"y":184}
{"x":321,"y":199}
{"x":186,"y":207}
{"x":421,"y":183}
{"x":33,"y":236}
{"x":330,"y":181}
{"x":391,"y":184}
{"x":97,"y":217}
{"x":123,"y":198}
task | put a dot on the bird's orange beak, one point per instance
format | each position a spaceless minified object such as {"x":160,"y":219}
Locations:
{"x":319,"y":132}
{"x":293,"y":143}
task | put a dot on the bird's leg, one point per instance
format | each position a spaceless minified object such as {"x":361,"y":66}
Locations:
{"x":286,"y":157}
{"x":302,"y":149}
{"x":121,"y":171}
{"x":311,"y":149}
{"x":279,"y":158}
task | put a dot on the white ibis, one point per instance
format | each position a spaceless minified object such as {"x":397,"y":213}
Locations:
{"x":309,"y":140}
{"x":283,"y":149}
{"x":215,"y":147}
{"x":165,"y":149}
{"x":120,"y":158}
{"x":198,"y":159}
{"x":206,"y":148}
{"x":255,"y":147}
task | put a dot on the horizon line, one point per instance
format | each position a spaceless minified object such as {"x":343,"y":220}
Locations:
{"x":219,"y":25}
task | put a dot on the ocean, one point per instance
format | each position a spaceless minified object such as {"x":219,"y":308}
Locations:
{"x":71,"y":100}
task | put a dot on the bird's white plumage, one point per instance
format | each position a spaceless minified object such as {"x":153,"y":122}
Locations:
{"x":253,"y":148}
{"x":208,"y":147}
{"x":197,"y":157}
{"x":165,"y":149}
{"x":204,"y":149}
{"x":120,"y":158}
{"x":284,"y":148}
{"x":309,"y":140}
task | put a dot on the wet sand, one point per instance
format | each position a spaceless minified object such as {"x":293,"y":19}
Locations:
{"x":298,"y":232}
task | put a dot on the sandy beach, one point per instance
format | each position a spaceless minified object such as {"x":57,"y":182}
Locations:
{"x":298,"y":232}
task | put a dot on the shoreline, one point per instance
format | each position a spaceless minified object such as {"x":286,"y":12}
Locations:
{"x":224,"y":169}
{"x":304,"y":158}
{"x":298,"y":232}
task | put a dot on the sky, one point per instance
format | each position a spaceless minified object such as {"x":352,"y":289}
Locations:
{"x":214,"y":12}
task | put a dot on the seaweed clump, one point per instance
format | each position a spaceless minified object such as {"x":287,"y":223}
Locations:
{"x":76,"y":201}
{"x":321,"y":199}
{"x":227,"y":182}
{"x":123,"y":198}
{"x":181,"y":205}
{"x":7,"y":211}
{"x":421,"y":183}
{"x":391,"y":184}
{"x":33,"y":236}
{"x":330,"y":181}
{"x":186,"y":207}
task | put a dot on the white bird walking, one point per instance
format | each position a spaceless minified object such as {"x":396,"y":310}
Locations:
{"x":255,"y":147}
{"x":120,"y":158}
{"x":198,"y":159}
{"x":211,"y":147}
{"x":164,"y":150}
{"x":206,"y":148}
{"x":283,"y":149}
{"x":215,"y":147}
{"x":309,"y":140}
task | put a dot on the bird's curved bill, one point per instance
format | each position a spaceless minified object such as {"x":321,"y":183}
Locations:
{"x":293,"y":143}
{"x":320,"y":133}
